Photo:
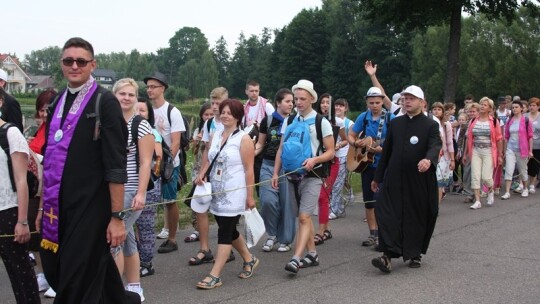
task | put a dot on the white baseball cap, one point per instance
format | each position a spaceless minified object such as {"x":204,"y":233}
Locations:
{"x":415,"y":91}
{"x":374,"y":92}
{"x":396,"y":97}
{"x":3,"y":75}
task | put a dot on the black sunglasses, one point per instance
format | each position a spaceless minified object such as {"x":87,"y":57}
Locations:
{"x":81,"y":62}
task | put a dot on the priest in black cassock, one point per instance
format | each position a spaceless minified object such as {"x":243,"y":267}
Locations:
{"x":407,"y":207}
{"x":83,"y":186}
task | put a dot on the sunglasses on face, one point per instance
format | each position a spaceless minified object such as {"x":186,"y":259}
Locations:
{"x":81,"y":62}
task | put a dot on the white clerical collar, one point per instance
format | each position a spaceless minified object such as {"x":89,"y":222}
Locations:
{"x":75,"y":90}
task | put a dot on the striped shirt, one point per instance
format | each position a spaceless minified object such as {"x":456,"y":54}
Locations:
{"x":133,"y":176}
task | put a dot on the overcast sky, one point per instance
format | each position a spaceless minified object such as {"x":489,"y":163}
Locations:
{"x":122,"y":25}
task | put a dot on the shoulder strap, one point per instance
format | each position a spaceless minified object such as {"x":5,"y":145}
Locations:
{"x":97,"y":127}
{"x":318,"y":128}
{"x":209,"y":124}
{"x":5,"y":146}
{"x":365,"y":122}
{"x":290,"y":119}
{"x":396,"y":112}
{"x":268,"y":121}
{"x":134,"y":137}
{"x":169,"y":110}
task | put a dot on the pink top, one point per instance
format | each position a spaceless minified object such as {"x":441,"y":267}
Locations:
{"x":447,"y":139}
{"x":496,"y":135}
{"x":524,"y":135}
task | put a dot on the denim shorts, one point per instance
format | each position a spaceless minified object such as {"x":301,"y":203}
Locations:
{"x":169,"y":189}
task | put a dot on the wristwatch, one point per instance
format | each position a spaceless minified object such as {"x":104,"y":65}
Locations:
{"x":121,"y":215}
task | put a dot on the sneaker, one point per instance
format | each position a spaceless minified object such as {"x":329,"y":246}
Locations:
{"x":167,"y":246}
{"x":416,"y":262}
{"x":146,"y":269}
{"x":269,"y":245}
{"x":50,"y":293}
{"x":519,"y":189}
{"x":332,"y":216}
{"x":163,"y":234}
{"x":532,"y":189}
{"x":137,"y":289}
{"x":525,"y":193}
{"x":490,"y":198}
{"x":284,"y":248}
{"x":42,"y":282}
{"x":476,"y":205}
{"x":505,"y":196}
{"x":370,"y":241}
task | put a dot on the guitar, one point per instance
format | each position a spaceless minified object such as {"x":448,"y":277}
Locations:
{"x":358,"y":159}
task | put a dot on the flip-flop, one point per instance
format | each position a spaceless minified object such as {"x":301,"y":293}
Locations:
{"x":193,"y":237}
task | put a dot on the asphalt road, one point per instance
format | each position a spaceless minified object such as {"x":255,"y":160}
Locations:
{"x":490,"y":255}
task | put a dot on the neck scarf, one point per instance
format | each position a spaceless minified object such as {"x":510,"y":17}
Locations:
{"x":261,"y":112}
{"x":58,"y":141}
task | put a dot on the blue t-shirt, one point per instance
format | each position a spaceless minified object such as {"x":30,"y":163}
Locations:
{"x":372,"y":128}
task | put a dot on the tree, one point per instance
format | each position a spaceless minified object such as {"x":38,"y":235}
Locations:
{"x":186,"y":44}
{"x":44,"y":61}
{"x":222,"y":58}
{"x":419,"y":14}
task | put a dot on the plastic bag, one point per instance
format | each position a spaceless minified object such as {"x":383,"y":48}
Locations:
{"x":254,"y":227}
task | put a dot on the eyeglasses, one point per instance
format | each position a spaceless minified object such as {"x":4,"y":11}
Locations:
{"x":151,"y":87}
{"x":81,"y":62}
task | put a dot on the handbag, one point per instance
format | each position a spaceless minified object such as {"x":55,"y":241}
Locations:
{"x":253,"y":228}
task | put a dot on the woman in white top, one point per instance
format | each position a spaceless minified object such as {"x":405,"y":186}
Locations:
{"x":232,"y":179}
{"x":14,"y":212}
{"x":138,"y":170}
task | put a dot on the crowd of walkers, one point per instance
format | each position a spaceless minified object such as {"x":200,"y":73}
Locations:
{"x":126,"y":152}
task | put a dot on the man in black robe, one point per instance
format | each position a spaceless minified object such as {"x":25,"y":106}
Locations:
{"x":79,"y":266}
{"x":407,"y":207}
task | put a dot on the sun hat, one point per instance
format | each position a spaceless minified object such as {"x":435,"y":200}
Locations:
{"x":307,"y":86}
{"x":415,"y":91}
{"x":159,"y":77}
{"x":202,"y":196}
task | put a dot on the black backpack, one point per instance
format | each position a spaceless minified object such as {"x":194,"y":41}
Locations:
{"x":31,"y":178}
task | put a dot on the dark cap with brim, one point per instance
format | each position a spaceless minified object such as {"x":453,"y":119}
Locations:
{"x":159,"y":77}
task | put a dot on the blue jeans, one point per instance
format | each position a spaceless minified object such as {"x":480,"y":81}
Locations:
{"x":276,"y":207}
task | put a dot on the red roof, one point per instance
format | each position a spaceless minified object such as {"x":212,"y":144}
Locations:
{"x":4,"y":56}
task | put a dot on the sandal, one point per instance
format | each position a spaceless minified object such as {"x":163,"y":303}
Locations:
{"x":193,"y":237}
{"x":213,"y":283}
{"x":208,"y":257}
{"x":327,"y":235}
{"x":292,"y":266}
{"x":383,"y":263}
{"x":319,"y":240}
{"x":309,"y":261}
{"x":245,"y":274}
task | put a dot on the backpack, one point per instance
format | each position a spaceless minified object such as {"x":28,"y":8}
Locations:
{"x":184,"y":139}
{"x":34,"y":169}
{"x":297,"y":146}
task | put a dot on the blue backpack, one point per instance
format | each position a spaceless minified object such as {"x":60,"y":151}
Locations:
{"x":297,"y":143}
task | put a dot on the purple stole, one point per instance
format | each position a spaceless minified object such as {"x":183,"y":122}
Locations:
{"x":58,"y":141}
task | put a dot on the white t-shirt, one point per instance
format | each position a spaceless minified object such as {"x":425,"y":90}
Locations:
{"x":165,"y":129}
{"x":214,"y":127}
{"x":394,"y":107}
{"x":326,"y":129}
{"x":17,"y":143}
{"x":342,"y":152}
{"x":255,"y":111}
